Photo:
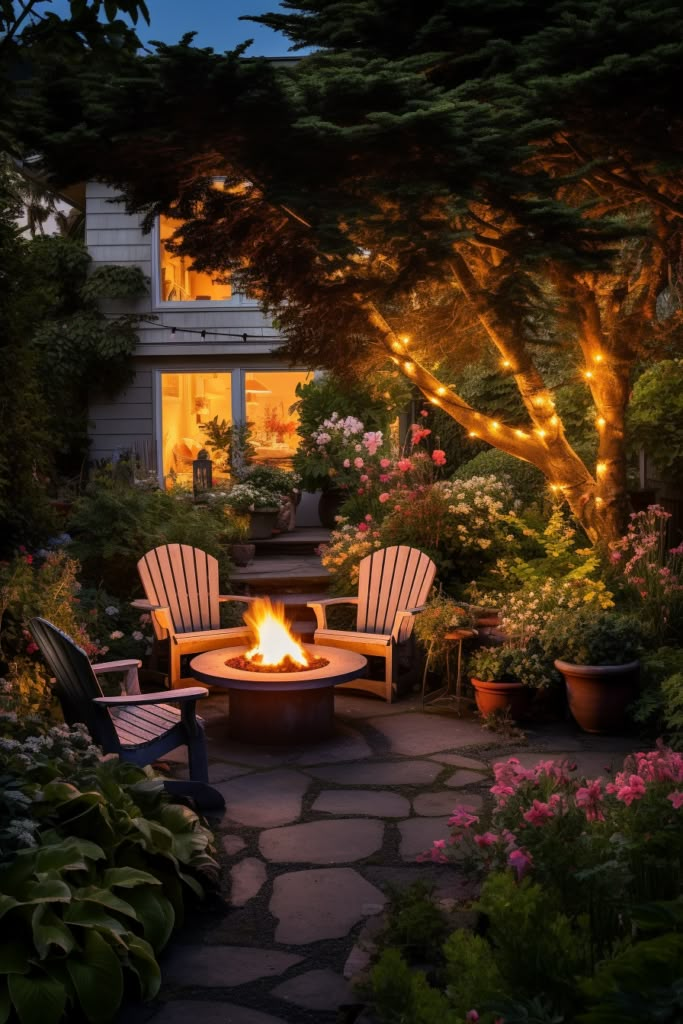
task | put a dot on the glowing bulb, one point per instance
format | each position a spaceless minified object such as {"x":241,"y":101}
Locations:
{"x":409,"y":367}
{"x":554,"y":487}
{"x":435,"y":401}
{"x":541,"y":432}
{"x":506,"y":364}
{"x":588,"y":374}
{"x":405,"y":338}
{"x":441,"y":391}
{"x":394,"y":360}
{"x":553,"y":421}
{"x":396,"y":346}
{"x":599,"y":501}
{"x":472,"y":433}
{"x":601,"y":468}
{"x":601,"y":421}
{"x":598,"y":357}
{"x":495,"y":425}
{"x":520,"y":433}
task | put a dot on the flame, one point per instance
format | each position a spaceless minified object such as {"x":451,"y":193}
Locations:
{"x":274,"y":642}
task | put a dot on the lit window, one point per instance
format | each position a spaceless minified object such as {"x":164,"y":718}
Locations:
{"x":179,"y":283}
{"x":269,"y":399}
{"x":189,"y":400}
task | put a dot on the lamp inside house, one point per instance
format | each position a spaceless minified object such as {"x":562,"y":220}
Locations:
{"x":252,"y":386}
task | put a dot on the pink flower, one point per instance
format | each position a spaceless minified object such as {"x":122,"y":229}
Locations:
{"x":521,"y":861}
{"x":368,"y":518}
{"x":439,"y":457}
{"x":634,"y":790}
{"x":418,"y":433}
{"x":360,"y":491}
{"x":424,"y":412}
{"x":31,"y":648}
{"x":358,"y":462}
{"x":590,"y":797}
{"x":347,"y":463}
{"x":486,"y":839}
{"x":384,"y":497}
{"x":404,"y":465}
{"x":463,"y":817}
{"x":383,"y":477}
{"x":362,"y":527}
{"x":385,"y":463}
{"x":615,"y":556}
{"x":472,"y":1015}
{"x":364,"y":478}
{"x":539,"y":813}
{"x":676,"y":799}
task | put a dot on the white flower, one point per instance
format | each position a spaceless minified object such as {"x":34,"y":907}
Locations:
{"x":111,"y":610}
{"x":137,"y":635}
{"x":116,"y":635}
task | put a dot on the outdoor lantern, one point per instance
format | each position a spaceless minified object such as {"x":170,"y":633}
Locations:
{"x":201,"y":472}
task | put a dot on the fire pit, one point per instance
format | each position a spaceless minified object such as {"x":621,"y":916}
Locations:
{"x":280,"y":691}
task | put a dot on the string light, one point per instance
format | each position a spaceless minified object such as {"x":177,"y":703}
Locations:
{"x":555,"y":487}
{"x":598,"y":357}
{"x":599,"y":501}
{"x":204,"y":333}
{"x":405,"y":338}
{"x":541,"y":432}
{"x":588,"y":374}
{"x":601,"y":468}
{"x":495,"y":425}
{"x":435,"y":401}
{"x":506,"y":364}
{"x":553,"y":421}
{"x":441,"y":391}
{"x":409,"y":367}
{"x":473,"y":433}
{"x":601,"y":421}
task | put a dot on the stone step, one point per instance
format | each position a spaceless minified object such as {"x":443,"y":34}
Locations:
{"x":282,"y":575}
{"x":302,"y":541}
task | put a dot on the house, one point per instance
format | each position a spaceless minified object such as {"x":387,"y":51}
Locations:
{"x":204,"y":352}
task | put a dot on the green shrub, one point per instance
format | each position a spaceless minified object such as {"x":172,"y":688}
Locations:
{"x":472,"y":975}
{"x":528,"y":484}
{"x":660,"y":705}
{"x":95,"y":869}
{"x":415,"y":925}
{"x":403,"y":996}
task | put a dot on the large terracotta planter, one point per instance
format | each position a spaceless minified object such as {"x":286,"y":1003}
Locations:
{"x":493,"y":695}
{"x":599,"y":695}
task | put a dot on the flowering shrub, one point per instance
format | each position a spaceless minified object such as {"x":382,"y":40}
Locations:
{"x":248,"y":497}
{"x":556,"y":827}
{"x":651,"y":575}
{"x":115,"y":629}
{"x":348,"y":546}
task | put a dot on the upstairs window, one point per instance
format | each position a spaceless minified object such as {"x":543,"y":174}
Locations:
{"x":179,"y":283}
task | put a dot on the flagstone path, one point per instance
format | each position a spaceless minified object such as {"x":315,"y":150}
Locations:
{"x":311,"y":837}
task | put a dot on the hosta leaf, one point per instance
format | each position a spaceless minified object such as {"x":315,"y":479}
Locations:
{"x":127,"y":878}
{"x":142,"y":961}
{"x":37,"y":998}
{"x":49,"y":930}
{"x":72,"y":854}
{"x":158,"y":837}
{"x":46,"y":891}
{"x":90,"y":915}
{"x":155,"y":914}
{"x":97,"y":978}
{"x":7,"y":903}
{"x":14,"y":957}
{"x":105,"y":898}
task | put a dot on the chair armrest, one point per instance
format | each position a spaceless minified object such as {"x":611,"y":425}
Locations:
{"x":319,"y":607}
{"x":161,"y":613}
{"x":242,"y":598}
{"x":402,"y":615}
{"x":131,"y":683}
{"x":188,"y":693}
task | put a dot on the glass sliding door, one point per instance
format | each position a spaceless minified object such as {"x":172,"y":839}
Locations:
{"x":269,"y":397}
{"x":188,"y":401}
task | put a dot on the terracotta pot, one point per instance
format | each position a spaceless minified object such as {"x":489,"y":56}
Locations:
{"x":599,"y":695}
{"x":494,"y":695}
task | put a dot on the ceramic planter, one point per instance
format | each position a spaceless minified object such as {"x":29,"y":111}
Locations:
{"x":262,"y":523}
{"x":242,"y":554}
{"x":599,"y":695}
{"x":494,"y":695}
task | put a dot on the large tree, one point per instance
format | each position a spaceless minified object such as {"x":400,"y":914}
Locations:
{"x":507,"y":171}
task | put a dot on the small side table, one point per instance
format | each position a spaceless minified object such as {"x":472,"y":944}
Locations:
{"x":447,"y":695}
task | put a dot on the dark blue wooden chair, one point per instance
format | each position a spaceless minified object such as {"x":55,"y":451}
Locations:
{"x":139,"y":727}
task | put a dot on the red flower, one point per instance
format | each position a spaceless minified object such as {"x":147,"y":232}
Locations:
{"x":439,"y":457}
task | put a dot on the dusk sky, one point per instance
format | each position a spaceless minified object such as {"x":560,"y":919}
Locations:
{"x":216,"y":22}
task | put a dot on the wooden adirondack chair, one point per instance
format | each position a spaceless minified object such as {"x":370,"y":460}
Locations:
{"x":181,"y":587}
{"x":393,"y":584}
{"x":138,"y":727}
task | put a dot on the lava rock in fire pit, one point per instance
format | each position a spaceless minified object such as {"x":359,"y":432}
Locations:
{"x":286,"y":665}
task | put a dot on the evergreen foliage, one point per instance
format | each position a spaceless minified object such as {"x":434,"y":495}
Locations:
{"x":486,"y":174}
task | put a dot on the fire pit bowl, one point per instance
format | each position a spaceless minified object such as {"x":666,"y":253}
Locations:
{"x":279,"y":707}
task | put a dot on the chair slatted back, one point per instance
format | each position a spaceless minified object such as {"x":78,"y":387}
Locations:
{"x":184,"y":579}
{"x":389,"y":580}
{"x":76,"y":683}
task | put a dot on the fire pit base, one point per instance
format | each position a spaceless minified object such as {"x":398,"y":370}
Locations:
{"x":280,"y":708}
{"x":286,"y":717}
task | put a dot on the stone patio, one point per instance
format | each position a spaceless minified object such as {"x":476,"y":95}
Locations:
{"x":310,"y":838}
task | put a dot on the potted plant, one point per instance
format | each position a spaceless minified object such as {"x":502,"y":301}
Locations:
{"x":495,"y":677}
{"x":261,"y":505}
{"x":600,"y":667}
{"x":284,"y":483}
